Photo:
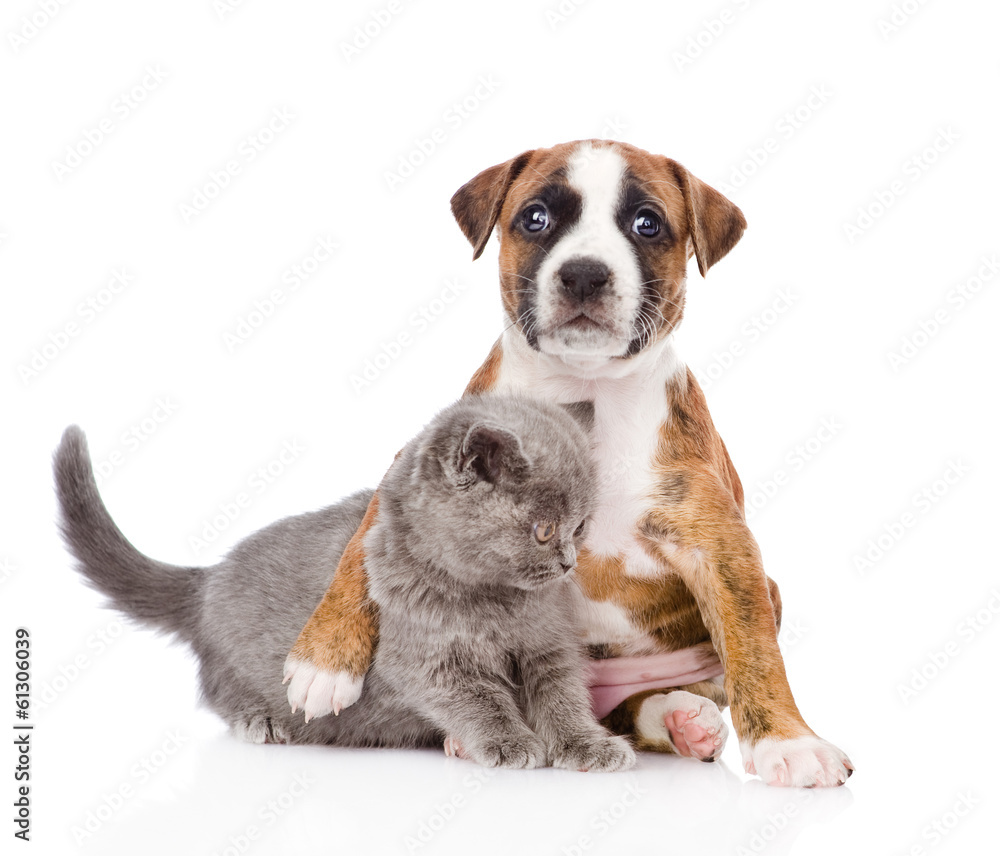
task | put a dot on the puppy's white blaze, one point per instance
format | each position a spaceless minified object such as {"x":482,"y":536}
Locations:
{"x":597,"y":175}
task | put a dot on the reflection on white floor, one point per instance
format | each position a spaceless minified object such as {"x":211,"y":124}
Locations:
{"x":236,"y":799}
{"x":126,"y":762}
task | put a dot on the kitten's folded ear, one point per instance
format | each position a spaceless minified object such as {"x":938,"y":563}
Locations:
{"x":583,"y":413}
{"x":490,"y":452}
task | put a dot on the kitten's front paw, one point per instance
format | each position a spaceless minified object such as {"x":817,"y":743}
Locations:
{"x":517,"y":752}
{"x":318,"y":691}
{"x":801,"y":762}
{"x":594,"y":754}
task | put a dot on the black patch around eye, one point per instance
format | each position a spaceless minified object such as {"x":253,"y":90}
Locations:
{"x":563,"y":207}
{"x":632,"y":201}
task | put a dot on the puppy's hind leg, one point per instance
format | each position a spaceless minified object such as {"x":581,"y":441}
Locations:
{"x":685,"y":721}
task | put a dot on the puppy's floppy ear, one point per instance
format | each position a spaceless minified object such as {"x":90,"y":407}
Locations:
{"x":714,"y":223}
{"x":490,"y":452}
{"x":477,"y":203}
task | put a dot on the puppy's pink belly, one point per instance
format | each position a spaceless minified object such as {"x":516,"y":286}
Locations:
{"x":613,"y":680}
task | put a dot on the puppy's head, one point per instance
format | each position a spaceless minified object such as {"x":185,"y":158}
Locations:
{"x":594,"y":242}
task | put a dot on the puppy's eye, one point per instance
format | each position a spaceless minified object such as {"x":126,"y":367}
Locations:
{"x":647,"y":224}
{"x":544,"y":532}
{"x":535,"y":218}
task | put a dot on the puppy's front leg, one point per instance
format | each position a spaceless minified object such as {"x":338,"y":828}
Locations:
{"x":325,"y":670}
{"x":705,"y":539}
{"x":557,"y":706}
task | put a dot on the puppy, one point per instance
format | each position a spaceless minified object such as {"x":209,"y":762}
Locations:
{"x":595,"y":237}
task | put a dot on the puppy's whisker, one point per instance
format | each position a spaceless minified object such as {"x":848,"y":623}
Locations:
{"x":657,"y":310}
{"x":519,"y":276}
{"x":521,"y":319}
{"x":648,"y":301}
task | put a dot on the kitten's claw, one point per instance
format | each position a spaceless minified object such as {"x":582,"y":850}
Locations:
{"x":453,"y":748}
{"x":319,"y":691}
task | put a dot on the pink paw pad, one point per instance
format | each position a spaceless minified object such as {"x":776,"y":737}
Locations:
{"x":695,"y":735}
{"x":693,"y":724}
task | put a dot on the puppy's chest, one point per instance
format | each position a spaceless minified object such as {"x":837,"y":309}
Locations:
{"x":631,"y":414}
{"x":612,"y":562}
{"x":624,"y":451}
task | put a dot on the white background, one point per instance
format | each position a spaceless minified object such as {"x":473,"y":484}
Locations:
{"x":183,"y":422}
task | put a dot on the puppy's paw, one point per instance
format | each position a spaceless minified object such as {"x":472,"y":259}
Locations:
{"x":517,"y":752}
{"x":690,"y":724}
{"x":800,"y":762}
{"x":595,"y":754}
{"x":318,"y":691}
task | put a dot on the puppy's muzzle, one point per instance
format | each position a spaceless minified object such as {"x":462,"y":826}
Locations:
{"x":584,"y":278}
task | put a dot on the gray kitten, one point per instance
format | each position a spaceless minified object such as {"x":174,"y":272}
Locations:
{"x":469,"y":565}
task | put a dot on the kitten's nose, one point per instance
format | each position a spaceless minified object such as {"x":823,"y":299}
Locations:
{"x":568,"y":560}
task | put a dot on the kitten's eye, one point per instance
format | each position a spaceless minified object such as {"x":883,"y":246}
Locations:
{"x":535,"y":218}
{"x":580,"y":528}
{"x":646,"y":223}
{"x":544,"y":532}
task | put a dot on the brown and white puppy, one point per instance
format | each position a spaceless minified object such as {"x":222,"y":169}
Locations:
{"x":595,"y":237}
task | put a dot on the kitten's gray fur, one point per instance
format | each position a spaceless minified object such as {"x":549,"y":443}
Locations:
{"x":478,"y":637}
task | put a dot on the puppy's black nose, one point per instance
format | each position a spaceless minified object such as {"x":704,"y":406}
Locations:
{"x":583,"y":278}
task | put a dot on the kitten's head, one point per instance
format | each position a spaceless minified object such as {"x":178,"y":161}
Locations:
{"x":499,"y":490}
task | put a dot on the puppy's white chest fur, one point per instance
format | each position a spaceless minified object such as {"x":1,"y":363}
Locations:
{"x":630,"y":409}
{"x":628,"y":417}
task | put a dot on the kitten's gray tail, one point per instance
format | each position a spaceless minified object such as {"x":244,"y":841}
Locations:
{"x":165,"y":597}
